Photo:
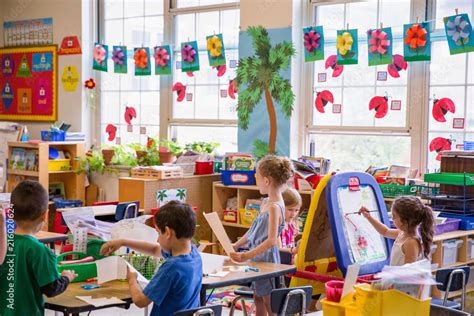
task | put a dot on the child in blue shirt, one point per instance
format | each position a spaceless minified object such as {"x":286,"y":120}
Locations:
{"x":177,"y":284}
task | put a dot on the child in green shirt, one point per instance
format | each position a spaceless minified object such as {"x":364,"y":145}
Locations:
{"x":30,"y":268}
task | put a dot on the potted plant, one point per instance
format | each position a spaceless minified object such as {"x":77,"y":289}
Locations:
{"x":202,"y":147}
{"x":124,"y":156}
{"x":141,"y":153}
{"x":108,"y":153}
{"x":168,"y":151}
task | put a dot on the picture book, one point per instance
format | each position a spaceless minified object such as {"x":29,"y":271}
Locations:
{"x":17,"y":160}
{"x":31,"y":160}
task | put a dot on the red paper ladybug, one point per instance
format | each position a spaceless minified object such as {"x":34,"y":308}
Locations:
{"x":221,"y":69}
{"x":180,"y":91}
{"x":332,"y":62}
{"x":441,"y":107}
{"x":130,"y":113}
{"x":380,"y":104}
{"x":323,"y":98}
{"x":440,"y":144}
{"x":190,"y":74}
{"x":398,"y":65}
{"x":112,"y":131}
{"x":232,"y":90}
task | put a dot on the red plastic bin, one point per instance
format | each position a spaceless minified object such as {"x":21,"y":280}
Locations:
{"x":204,"y":167}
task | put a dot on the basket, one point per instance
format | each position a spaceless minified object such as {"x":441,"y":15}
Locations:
{"x":468,"y":145}
{"x":188,"y":168}
{"x":146,"y":265}
{"x":396,"y":190}
{"x":238,"y":177}
{"x":84,"y":271}
{"x":59,"y":165}
{"x":157,"y":172}
{"x":53,"y":136}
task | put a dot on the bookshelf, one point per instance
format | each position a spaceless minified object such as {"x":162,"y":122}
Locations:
{"x":221,"y":193}
{"x":38,"y":155}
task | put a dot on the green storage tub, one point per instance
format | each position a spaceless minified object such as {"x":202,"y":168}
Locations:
{"x":450,"y":178}
{"x":396,"y":190}
{"x":84,"y":271}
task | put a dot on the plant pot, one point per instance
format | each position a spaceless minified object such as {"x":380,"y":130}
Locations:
{"x":167,"y":157}
{"x":141,"y":156}
{"x":108,"y":154}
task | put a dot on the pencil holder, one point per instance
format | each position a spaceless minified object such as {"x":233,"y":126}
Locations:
{"x":334,"y":290}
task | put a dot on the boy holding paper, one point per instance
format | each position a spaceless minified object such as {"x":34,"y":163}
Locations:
{"x":177,"y":283}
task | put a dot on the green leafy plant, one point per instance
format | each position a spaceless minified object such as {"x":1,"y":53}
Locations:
{"x":260,"y":74}
{"x":124,"y":156}
{"x":172,"y":146}
{"x":93,"y":162}
{"x":202,"y":147}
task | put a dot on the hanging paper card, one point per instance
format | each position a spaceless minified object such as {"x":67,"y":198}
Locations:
{"x":24,"y":68}
{"x":129,"y":114}
{"x":70,"y":46}
{"x":42,"y":62}
{"x":119,"y":57}
{"x":24,"y":101}
{"x":163,"y":60}
{"x":7,"y":97}
{"x":70,"y":78}
{"x":215,"y":50}
{"x":111,"y":131}
{"x":7,"y":65}
{"x":313,"y":37}
{"x":459,"y":33}
{"x":416,"y":42}
{"x":43,"y":93}
{"x":190,"y":56}
{"x":380,"y":46}
{"x":347,"y":47}
{"x":100,"y":53}
{"x":142,"y":61}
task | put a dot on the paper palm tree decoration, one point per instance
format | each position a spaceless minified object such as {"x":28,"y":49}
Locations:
{"x":181,"y":193}
{"x":161,"y":195}
{"x":259,"y":75}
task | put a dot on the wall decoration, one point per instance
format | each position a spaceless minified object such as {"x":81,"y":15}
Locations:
{"x":396,"y":66}
{"x":215,"y":50}
{"x":189,"y":97}
{"x":347,"y":47}
{"x":190,"y":74}
{"x":100,"y":54}
{"x":396,"y":105}
{"x":142,"y":61}
{"x":70,"y":78}
{"x":380,"y":46}
{"x":29,"y":92}
{"x":416,"y":42}
{"x":129,"y":128}
{"x":70,"y":46}
{"x":223,"y":93}
{"x":440,"y":144}
{"x":331,"y":62}
{"x":313,"y":37}
{"x":129,"y":114}
{"x":111,"y":131}
{"x":441,"y":107}
{"x":233,"y":63}
{"x":221,"y":70}
{"x":459,"y":33}
{"x":89,"y":84}
{"x":322,"y":77}
{"x":380,"y":105}
{"x":232,"y":89}
{"x":458,"y":123}
{"x":142,"y":130}
{"x":163,"y":60}
{"x":119,"y":57}
{"x":180,"y":90}
{"x":337,"y":108}
{"x":118,"y":141}
{"x":190,"y":56}
{"x":33,"y":32}
{"x":322,"y":98}
{"x":381,"y":76}
{"x":179,"y":65}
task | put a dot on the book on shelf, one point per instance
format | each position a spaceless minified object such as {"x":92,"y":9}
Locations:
{"x":31,"y":160}
{"x":17,"y":160}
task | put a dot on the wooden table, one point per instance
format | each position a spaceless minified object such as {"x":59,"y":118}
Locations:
{"x":211,"y":263}
{"x":50,"y":238}
{"x":68,"y":304}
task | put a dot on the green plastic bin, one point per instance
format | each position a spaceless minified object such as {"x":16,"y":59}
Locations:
{"x":84,"y":271}
{"x":450,"y":178}
{"x":396,"y":190}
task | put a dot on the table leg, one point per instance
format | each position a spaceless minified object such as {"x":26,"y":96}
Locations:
{"x":203,"y":297}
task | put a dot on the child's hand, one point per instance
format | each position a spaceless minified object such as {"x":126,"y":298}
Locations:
{"x":364,"y":212}
{"x":70,"y":274}
{"x":131,"y":276}
{"x":239,"y":256}
{"x":110,"y":247}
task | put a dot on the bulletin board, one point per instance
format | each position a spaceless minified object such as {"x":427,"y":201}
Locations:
{"x":28,"y":83}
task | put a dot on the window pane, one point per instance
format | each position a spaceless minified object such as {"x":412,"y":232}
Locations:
{"x":453,"y":138}
{"x":227,"y":105}
{"x":362,"y":15}
{"x":134,"y":33}
{"x":114,"y":31}
{"x":110,"y":107}
{"x":226,"y":136}
{"x":133,"y":8}
{"x":360,"y":74}
{"x":184,"y":109}
{"x":446,"y":68}
{"x":394,"y":13}
{"x":207,"y":24}
{"x":446,"y":8}
{"x":153,"y":7}
{"x":150,"y":107}
{"x":358,"y":152}
{"x":113,"y":9}
{"x":195,"y":3}
{"x":355,"y":107}
{"x":207,"y":102}
{"x":229,"y":23}
{"x":185,"y":25}
{"x":330,"y":17}
{"x":153,"y":31}
{"x":456,"y":94}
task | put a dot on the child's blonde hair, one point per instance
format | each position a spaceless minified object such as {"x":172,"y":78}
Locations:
{"x":291,"y":197}
{"x":278,"y":168}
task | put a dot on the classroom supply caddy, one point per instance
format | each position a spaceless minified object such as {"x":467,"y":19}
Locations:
{"x":238,"y":169}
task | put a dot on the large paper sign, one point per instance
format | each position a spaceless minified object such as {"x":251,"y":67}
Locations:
{"x":216,"y":226}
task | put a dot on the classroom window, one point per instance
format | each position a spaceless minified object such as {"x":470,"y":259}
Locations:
{"x":133,"y":24}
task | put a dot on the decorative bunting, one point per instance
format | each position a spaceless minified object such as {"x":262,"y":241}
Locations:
{"x":142,"y":61}
{"x":119,"y":57}
{"x":163,"y":60}
{"x":416,"y":42}
{"x":190,"y":57}
{"x":380,"y":46}
{"x":215,"y":50}
{"x":459,"y":34}
{"x":313,"y":37}
{"x":100,"y":53}
{"x":347,"y":47}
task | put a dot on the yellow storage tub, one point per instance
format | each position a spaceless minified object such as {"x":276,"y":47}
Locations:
{"x":337,"y":309}
{"x":59,"y":164}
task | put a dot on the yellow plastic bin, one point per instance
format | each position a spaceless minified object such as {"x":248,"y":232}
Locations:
{"x":337,"y":309}
{"x":370,"y":302}
{"x":59,"y":164}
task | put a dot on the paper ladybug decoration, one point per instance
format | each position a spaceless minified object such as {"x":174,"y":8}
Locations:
{"x":322,"y":98}
{"x":180,"y":91}
{"x":130,"y":114}
{"x":336,"y":69}
{"x":380,"y":105}
{"x":190,"y":74}
{"x":221,"y":69}
{"x":440,"y":144}
{"x":441,"y":107}
{"x":398,"y":65}
{"x":112,"y":131}
{"x":232,"y":89}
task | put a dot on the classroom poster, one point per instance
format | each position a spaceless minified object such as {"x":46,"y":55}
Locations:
{"x":70,"y":78}
{"x":142,"y":61}
{"x":70,"y":46}
{"x":215,"y":50}
{"x":347,"y":47}
{"x":163,"y":60}
{"x":416,"y":42}
{"x":313,"y":37}
{"x":459,"y":34}
{"x":119,"y":57}
{"x":380,"y":46}
{"x":189,"y":56}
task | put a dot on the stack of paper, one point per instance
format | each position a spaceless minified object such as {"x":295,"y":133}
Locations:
{"x":115,"y":268}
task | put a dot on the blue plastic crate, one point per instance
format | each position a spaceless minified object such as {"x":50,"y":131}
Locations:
{"x":53,"y":136}
{"x":467,"y":222}
{"x":67,"y":203}
{"x":468,"y":145}
{"x":238,"y":177}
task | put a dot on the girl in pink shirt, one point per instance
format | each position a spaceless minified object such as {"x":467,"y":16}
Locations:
{"x":286,"y":242}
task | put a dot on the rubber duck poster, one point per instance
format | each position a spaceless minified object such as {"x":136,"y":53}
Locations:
{"x":313,"y":37}
{"x":459,"y":34}
{"x":416,"y":42}
{"x":380,"y":46}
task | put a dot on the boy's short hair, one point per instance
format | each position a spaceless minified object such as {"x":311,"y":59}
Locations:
{"x":29,"y":201}
{"x":178,"y":216}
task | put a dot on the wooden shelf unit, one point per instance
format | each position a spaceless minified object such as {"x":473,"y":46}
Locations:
{"x":221,"y":193}
{"x":73,"y":182}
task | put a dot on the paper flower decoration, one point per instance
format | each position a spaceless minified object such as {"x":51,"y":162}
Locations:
{"x":99,"y":54}
{"x":89,"y":84}
{"x":118,"y":56}
{"x":161,"y":57}
{"x":141,"y":58}
{"x":214,"y":46}
{"x":344,"y":43}
{"x":416,"y":36}
{"x":459,"y":30}
{"x":188,"y":52}
{"x":379,"y":42}
{"x":311,"y":41}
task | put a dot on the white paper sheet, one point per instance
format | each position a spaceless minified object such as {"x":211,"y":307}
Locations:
{"x":219,"y":274}
{"x":102,"y":301}
{"x":115,"y":268}
{"x":216,"y":226}
{"x":351,"y":278}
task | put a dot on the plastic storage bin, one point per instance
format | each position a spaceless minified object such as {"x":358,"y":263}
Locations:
{"x":84,"y":271}
{"x":204,"y":167}
{"x":468,"y":145}
{"x":395,"y":190}
{"x":67,"y":203}
{"x":451,"y":224}
{"x":467,"y":222}
{"x":238,"y":177}
{"x":59,"y":165}
{"x":55,"y":136}
{"x":470,"y":248}
{"x":450,"y":251}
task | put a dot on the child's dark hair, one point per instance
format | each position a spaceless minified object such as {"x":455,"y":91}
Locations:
{"x":178,"y":216}
{"x":278,"y":168}
{"x":30,"y":201}
{"x":413,"y":212}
